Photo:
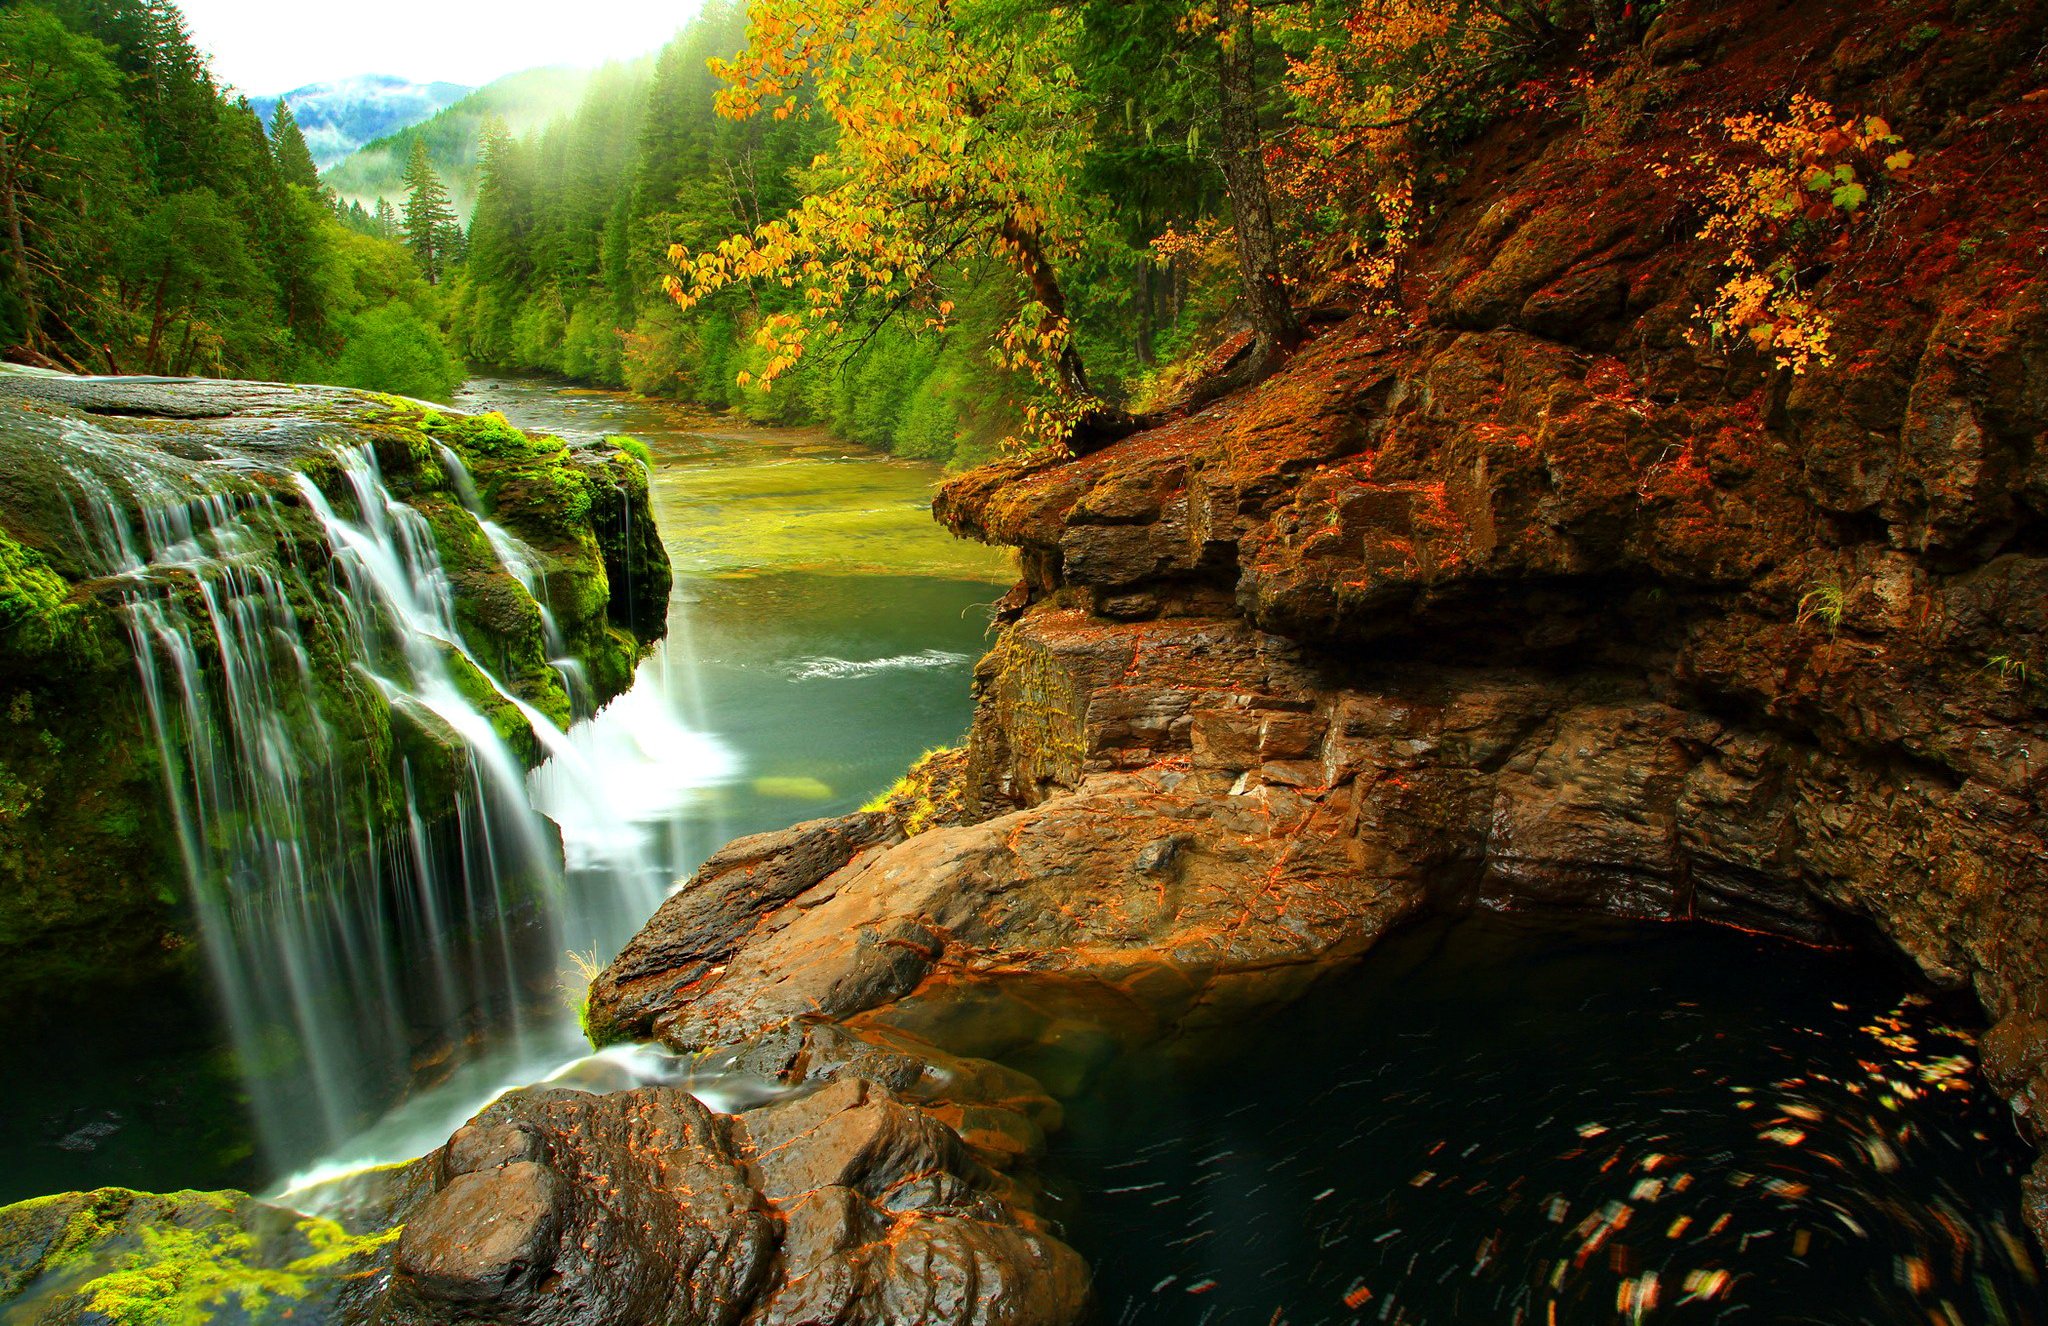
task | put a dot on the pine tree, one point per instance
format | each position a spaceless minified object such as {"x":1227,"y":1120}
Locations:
{"x":288,"y":146}
{"x":385,"y":220}
{"x":428,"y":217}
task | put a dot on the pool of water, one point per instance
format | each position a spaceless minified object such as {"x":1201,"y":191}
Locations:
{"x":1497,"y":1120}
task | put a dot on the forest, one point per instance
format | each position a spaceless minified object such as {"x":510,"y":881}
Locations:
{"x":1032,"y":220}
{"x":153,"y":226}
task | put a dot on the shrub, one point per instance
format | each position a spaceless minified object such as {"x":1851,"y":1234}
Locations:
{"x":392,"y":349}
{"x":1782,"y":188}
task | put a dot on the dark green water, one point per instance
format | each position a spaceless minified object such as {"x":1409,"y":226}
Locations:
{"x":1494,"y":1120}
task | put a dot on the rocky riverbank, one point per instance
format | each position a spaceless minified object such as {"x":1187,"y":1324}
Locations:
{"x":1534,"y":599}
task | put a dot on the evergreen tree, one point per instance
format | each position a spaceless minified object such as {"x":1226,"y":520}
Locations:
{"x":428,"y":216}
{"x":385,"y":222}
{"x":288,"y":145}
{"x":66,"y":163}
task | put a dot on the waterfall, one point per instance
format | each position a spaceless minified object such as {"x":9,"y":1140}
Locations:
{"x":357,"y":921}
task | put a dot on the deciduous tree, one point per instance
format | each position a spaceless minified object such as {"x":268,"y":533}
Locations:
{"x":958,"y":133}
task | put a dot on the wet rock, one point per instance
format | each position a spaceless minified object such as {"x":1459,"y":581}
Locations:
{"x":643,"y":1207}
{"x":1565,"y":609}
{"x":641,"y":1211}
{"x":486,"y":1235}
{"x":703,"y":925}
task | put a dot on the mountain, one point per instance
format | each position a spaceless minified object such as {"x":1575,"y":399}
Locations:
{"x":525,"y":101}
{"x":339,"y":117}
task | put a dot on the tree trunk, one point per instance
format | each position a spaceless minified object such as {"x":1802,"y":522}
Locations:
{"x":17,"y":244}
{"x":1146,"y":313}
{"x":1045,"y":288}
{"x":1244,"y":178}
{"x":159,"y":316}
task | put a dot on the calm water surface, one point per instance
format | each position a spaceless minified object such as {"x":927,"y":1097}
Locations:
{"x":1493,"y":1120}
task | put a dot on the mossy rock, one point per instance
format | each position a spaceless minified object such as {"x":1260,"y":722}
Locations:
{"x":92,"y":888}
{"x":146,"y":1259}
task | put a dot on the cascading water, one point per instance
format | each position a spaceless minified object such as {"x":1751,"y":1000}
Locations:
{"x":358,"y":913}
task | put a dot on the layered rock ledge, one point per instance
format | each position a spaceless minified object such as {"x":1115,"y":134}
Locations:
{"x":1528,"y":597}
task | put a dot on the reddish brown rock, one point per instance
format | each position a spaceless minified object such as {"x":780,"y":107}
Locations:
{"x":645,"y":1208}
{"x":1526,"y":596}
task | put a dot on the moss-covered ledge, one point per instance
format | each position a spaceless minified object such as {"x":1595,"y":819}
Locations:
{"x":91,"y":888}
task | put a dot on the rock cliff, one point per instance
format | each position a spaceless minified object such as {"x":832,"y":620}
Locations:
{"x":1526,"y":595}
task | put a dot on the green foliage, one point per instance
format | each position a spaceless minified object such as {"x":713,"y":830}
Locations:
{"x":564,"y":269}
{"x":288,"y":146}
{"x":2010,"y":668}
{"x":392,"y":349}
{"x":162,"y":230}
{"x":430,"y":229}
{"x":1824,"y":604}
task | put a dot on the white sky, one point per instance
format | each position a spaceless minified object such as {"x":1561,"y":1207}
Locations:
{"x":264,"y":48}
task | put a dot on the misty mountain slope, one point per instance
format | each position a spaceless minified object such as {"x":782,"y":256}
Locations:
{"x":525,"y":102}
{"x":339,"y":117}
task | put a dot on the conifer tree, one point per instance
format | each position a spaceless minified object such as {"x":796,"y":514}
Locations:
{"x":385,"y":221}
{"x":428,"y":216}
{"x":288,"y":146}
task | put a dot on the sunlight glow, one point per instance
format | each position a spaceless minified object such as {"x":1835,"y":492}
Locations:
{"x":265,"y":49}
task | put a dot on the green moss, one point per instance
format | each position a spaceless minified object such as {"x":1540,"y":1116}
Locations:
{"x":486,"y":435}
{"x":510,"y":725}
{"x":29,"y":589}
{"x":931,"y":794}
{"x":635,"y":448}
{"x":143,"y":1260}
